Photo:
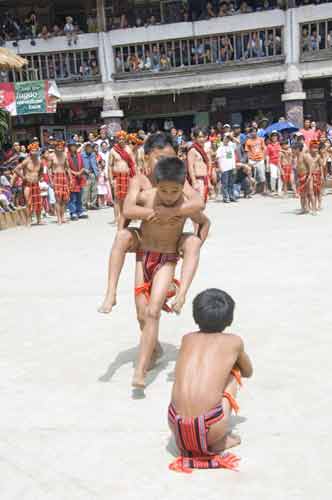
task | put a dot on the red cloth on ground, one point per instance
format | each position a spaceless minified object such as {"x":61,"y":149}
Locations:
{"x":121,"y":185}
{"x":152,"y":262}
{"x":61,"y":187}
{"x":77,"y":182}
{"x":127,"y":158}
{"x":35,"y":200}
{"x":286,"y":173}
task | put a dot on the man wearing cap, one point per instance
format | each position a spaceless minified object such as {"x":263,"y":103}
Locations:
{"x":226,"y":161}
{"x":61,"y":179}
{"x":91,"y":172}
{"x":78,"y":181}
{"x":255,"y":148}
{"x":30,"y":171}
{"x":273,"y":163}
{"x":263,"y":123}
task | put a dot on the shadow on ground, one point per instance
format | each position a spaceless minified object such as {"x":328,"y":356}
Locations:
{"x":170,"y":353}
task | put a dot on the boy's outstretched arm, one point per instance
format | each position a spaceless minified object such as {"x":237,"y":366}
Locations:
{"x":131,"y":209}
{"x":243,"y":362}
{"x":204,"y":225}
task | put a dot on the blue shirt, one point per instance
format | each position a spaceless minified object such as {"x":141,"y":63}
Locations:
{"x":90,"y":163}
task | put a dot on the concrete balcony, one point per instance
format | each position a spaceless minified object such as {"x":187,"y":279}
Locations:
{"x":54,"y":44}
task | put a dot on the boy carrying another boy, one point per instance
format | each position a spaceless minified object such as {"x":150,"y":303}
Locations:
{"x":208,"y":370}
{"x":158,"y":254}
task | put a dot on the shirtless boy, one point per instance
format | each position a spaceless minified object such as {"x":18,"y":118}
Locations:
{"x":317,"y":175}
{"x":205,"y":387}
{"x":199,"y":164}
{"x":286,"y":163}
{"x":61,"y":179}
{"x":158,"y":255}
{"x":304,"y":165}
{"x":156,"y":146}
{"x":121,"y":168}
{"x":30,"y":171}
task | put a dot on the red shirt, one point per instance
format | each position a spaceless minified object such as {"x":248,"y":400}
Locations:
{"x":309,"y":135}
{"x":273,"y":152}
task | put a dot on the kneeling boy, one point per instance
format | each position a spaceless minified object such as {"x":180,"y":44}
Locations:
{"x":208,"y":369}
{"x":157,"y":257}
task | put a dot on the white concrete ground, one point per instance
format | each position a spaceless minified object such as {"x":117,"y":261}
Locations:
{"x":70,"y":427}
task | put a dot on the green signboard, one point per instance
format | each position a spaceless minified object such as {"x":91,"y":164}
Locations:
{"x":30,"y":97}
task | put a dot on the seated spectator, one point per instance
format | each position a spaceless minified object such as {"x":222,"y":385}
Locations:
{"x":44,"y":34}
{"x":133,"y":63}
{"x":306,"y":43}
{"x":69,"y":31}
{"x":56,"y":31}
{"x":94,"y":68}
{"x":139,"y":23}
{"x":147,"y":63}
{"x":210,"y":10}
{"x":231,"y":9}
{"x":223,"y":9}
{"x":244,"y":8}
{"x":155,"y":58}
{"x":165,"y":63}
{"x":226,"y":49}
{"x":255,"y":46}
{"x":84,"y":70}
{"x":208,"y":56}
{"x":152,"y":21}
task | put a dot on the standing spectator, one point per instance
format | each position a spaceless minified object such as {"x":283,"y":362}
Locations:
{"x":31,"y":23}
{"x":91,"y":23}
{"x":69,"y":31}
{"x":226,"y":162}
{"x":102,"y":184}
{"x":155,"y":58}
{"x":315,"y":40}
{"x":91,"y":172}
{"x":78,"y":183}
{"x":307,"y":132}
{"x":255,"y":147}
{"x":273,"y":163}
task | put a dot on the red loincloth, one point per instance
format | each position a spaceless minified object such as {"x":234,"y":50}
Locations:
{"x":121,"y":185}
{"x":61,"y":187}
{"x":191,"y":439}
{"x":317,"y":182}
{"x":35,"y":201}
{"x":302,"y":183}
{"x":152,"y":262}
{"x":286,"y":173}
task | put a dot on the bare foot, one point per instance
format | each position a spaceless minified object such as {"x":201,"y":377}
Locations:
{"x":178,"y":303}
{"x":108,"y":304}
{"x":229,"y":441}
{"x":138,"y":381}
{"x":157,"y":354}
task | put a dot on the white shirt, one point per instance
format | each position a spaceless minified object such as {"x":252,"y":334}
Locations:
{"x":226,"y":156}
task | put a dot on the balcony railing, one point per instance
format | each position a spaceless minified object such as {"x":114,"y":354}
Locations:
{"x":316,"y":40}
{"x":176,"y":55}
{"x":69,"y":66}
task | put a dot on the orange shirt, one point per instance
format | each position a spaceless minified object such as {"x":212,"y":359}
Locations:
{"x":255,"y":148}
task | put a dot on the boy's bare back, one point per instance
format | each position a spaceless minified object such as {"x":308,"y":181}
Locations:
{"x":203,"y":368}
{"x":156,"y":236}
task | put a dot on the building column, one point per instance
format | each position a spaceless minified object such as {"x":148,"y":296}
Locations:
{"x":101,"y":16}
{"x":112,"y":115}
{"x":294,"y":97}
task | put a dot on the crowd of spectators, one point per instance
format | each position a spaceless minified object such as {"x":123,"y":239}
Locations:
{"x":15,"y":29}
{"x":250,"y":148}
{"x":217,"y":50}
{"x":317,"y":36}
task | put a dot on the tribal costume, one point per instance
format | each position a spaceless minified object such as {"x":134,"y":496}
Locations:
{"x":61,"y":187}
{"x":35,"y":199}
{"x":286,"y":173}
{"x":152,"y":262}
{"x":317,"y":181}
{"x":302,"y":183}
